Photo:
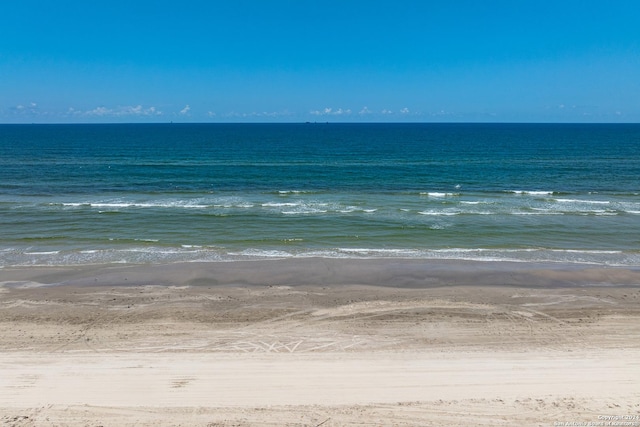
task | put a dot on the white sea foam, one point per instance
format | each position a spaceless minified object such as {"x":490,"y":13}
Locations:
{"x":125,"y":205}
{"x":279,"y":205}
{"x":538,"y":212}
{"x":153,"y":255}
{"x":439,"y":213}
{"x":304,"y":211}
{"x":532,"y":193}
{"x":584,"y":251}
{"x":595,"y":202}
{"x":286,"y":192}
{"x":439,"y":226}
{"x":523,"y":255}
{"x":438,"y":194}
{"x":263,"y":253}
{"x":198,"y":203}
{"x":351,"y":209}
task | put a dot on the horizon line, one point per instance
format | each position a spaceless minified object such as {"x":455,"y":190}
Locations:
{"x":319,"y":123}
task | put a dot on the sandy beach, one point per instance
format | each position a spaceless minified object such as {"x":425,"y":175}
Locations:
{"x":320,"y":342}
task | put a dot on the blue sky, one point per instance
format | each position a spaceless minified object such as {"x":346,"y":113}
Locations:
{"x":289,"y":61}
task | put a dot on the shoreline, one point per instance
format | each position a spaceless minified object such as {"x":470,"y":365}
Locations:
{"x":394,"y":272}
{"x":49,"y":256}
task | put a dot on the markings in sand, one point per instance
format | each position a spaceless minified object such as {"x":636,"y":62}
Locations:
{"x":181,"y":381}
{"x":261,"y":326}
{"x":258,"y":342}
{"x":299,"y":331}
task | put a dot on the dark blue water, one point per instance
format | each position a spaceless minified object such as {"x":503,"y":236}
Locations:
{"x":74,"y":194}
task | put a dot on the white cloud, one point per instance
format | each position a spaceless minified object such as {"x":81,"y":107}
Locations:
{"x":404,"y":111}
{"x":24,"y":109}
{"x":255,"y":114}
{"x":185,"y":110}
{"x":211,"y":113}
{"x":324,"y":112}
{"x":271,"y":114}
{"x":385,"y":111}
{"x":331,"y":112}
{"x":123,"y":111}
{"x":443,"y":113}
{"x":99,"y":111}
{"x":364,"y":111}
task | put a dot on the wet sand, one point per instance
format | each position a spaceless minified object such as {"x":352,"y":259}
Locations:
{"x":319,"y":342}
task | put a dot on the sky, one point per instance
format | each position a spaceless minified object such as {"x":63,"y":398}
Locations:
{"x":69,"y":61}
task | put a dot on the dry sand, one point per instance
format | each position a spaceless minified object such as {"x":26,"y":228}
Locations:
{"x":318,"y":342}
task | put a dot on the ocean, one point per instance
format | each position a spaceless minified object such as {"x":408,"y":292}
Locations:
{"x":165,"y":193}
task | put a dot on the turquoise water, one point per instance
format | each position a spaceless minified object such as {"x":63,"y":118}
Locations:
{"x":154,"y":193}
